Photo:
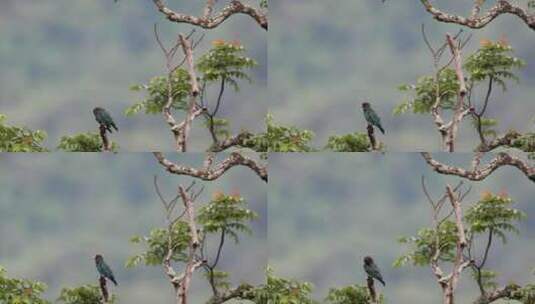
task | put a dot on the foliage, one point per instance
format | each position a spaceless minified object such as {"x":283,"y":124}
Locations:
{"x":282,"y":291}
{"x":426,"y":242}
{"x":86,"y":294}
{"x":157,"y":93}
{"x":492,"y":213}
{"x":20,"y":291}
{"x":353,"y":294}
{"x":83,"y":142}
{"x":487,"y":126}
{"x":426,"y":91}
{"x":281,"y":139}
{"x":20,"y":139}
{"x":526,"y":143}
{"x":355,"y":142}
{"x":493,"y":60}
{"x":220,"y":126}
{"x":263,"y":3}
{"x":525,"y":294}
{"x":157,"y":244}
{"x":226,"y":213}
{"x":488,"y":278}
{"x":225,"y":62}
{"x":221,"y":279}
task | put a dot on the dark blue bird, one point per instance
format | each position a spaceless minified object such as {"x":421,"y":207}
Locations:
{"x":104,"y":119}
{"x":371,"y":117}
{"x":372,"y":270}
{"x":103,"y":269}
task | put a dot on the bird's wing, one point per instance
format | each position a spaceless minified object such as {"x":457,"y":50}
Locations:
{"x":377,"y":271}
{"x":374,"y":116}
{"x":107,"y":269}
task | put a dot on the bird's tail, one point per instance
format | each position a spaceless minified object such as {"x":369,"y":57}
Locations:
{"x":381,"y":128}
{"x":382,"y":281}
{"x":115,"y":282}
{"x":114,"y":126}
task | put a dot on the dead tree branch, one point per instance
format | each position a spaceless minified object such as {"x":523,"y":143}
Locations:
{"x":480,"y":172}
{"x":478,"y":20}
{"x":448,"y":130}
{"x":106,"y":143}
{"x":210,"y":171}
{"x":505,"y":293}
{"x":448,"y":282}
{"x":180,"y":130}
{"x":181,"y":282}
{"x":460,"y":108}
{"x":210,"y":20}
{"x":371,"y":136}
{"x":371,"y":289}
{"x":104,"y":289}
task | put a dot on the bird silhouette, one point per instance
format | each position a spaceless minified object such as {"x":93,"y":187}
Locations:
{"x":103,"y":269}
{"x":371,"y":117}
{"x":372,"y":270}
{"x":104,"y":119}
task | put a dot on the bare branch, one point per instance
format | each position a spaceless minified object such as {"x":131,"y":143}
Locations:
{"x":460,"y":110}
{"x":238,"y":140}
{"x":449,"y":282}
{"x":477,"y":20}
{"x":502,"y":159}
{"x":371,"y":136}
{"x":505,"y":140}
{"x":103,"y":289}
{"x":214,"y":171}
{"x":371,"y":289}
{"x":181,"y":282}
{"x":106,"y":143}
{"x":190,"y":211}
{"x":210,"y":20}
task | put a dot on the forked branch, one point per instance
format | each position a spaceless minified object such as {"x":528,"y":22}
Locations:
{"x":477,"y":20}
{"x":209,"y":19}
{"x":210,"y":171}
{"x":478,"y":172}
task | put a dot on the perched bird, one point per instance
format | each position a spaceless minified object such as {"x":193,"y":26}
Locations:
{"x":103,"y":269}
{"x":371,"y":116}
{"x":104,"y":119}
{"x":372,"y":270}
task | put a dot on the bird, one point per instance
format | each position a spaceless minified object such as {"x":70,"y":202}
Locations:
{"x":372,"y":270}
{"x":104,"y":119}
{"x":103,"y":269}
{"x":371,"y":117}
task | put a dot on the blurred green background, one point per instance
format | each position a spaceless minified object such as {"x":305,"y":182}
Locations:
{"x":326,"y":212}
{"x":58,"y":210}
{"x":327,"y":56}
{"x":59,"y":59}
